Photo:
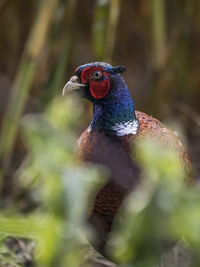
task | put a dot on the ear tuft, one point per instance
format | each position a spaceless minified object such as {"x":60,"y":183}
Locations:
{"x":117,"y":69}
{"x":120,"y":69}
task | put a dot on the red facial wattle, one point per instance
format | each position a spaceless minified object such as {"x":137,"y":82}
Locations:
{"x":98,"y":88}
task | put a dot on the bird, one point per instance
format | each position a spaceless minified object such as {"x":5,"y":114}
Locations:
{"x":108,"y":140}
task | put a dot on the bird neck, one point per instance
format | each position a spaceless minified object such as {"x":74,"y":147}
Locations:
{"x":115,"y":114}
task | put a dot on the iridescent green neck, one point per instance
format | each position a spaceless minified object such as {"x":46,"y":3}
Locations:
{"x":115,"y":114}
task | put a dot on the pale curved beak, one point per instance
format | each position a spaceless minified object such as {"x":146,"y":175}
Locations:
{"x":73,"y":84}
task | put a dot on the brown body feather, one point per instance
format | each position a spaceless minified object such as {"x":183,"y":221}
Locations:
{"x":152,"y":128}
{"x":115,"y":153}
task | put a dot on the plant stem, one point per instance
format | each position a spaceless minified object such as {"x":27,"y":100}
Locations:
{"x":114,"y":12}
{"x":159,"y":33}
{"x":24,"y":78}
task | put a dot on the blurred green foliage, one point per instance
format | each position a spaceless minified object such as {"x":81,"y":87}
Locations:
{"x":161,"y":212}
{"x":64,"y":190}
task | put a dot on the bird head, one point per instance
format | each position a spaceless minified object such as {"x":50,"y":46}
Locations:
{"x":94,"y":81}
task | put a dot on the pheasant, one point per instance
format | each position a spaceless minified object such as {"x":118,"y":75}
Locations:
{"x":108,"y":140}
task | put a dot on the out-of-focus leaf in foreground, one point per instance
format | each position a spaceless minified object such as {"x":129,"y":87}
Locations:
{"x":63,"y":190}
{"x":161,"y":212}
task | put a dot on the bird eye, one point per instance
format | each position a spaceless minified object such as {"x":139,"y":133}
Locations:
{"x":97,"y":74}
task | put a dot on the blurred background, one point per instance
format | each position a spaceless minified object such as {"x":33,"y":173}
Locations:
{"x":42,"y":42}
